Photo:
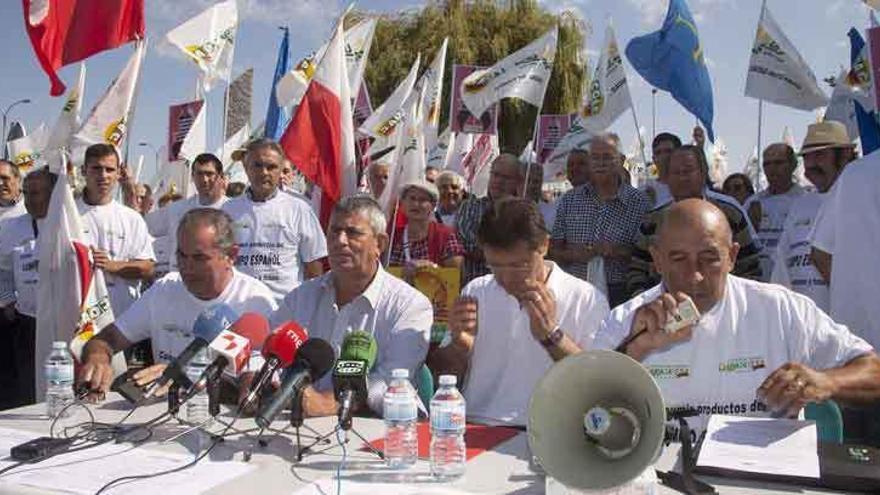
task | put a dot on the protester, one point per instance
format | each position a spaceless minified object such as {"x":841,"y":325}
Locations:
{"x":235,"y":189}
{"x":206,"y":174}
{"x":280,"y":239}
{"x":121,"y":245}
{"x":358,"y":294}
{"x":377,"y":177}
{"x":506,"y":178}
{"x":142,"y":199}
{"x":19,"y":278}
{"x":793,"y":265}
{"x":287,"y":176}
{"x":166,"y":312}
{"x":686,"y":177}
{"x":11,"y":204}
{"x":769,"y":208}
{"x":509,"y":327}
{"x":662,"y":147}
{"x":452,"y":193}
{"x":577,"y":167}
{"x":431,"y":174}
{"x":423,"y":243}
{"x":599,"y":220}
{"x":758,"y":349}
{"x":739,"y":187}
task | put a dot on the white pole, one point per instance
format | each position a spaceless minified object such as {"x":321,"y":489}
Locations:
{"x":393,"y":222}
{"x":759,"y":150}
{"x":639,"y":134}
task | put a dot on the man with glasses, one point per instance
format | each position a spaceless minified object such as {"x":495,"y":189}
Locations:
{"x":599,"y":219}
{"x":279,"y":235}
{"x":506,"y":179}
{"x":508,"y":328}
{"x":769,"y":208}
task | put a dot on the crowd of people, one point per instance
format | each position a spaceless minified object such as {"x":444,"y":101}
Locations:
{"x":605,"y":266}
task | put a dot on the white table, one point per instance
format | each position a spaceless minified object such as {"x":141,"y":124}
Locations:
{"x":504,"y":469}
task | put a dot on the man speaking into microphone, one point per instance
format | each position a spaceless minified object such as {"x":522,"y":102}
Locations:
{"x":358,"y":295}
{"x":206,"y":253}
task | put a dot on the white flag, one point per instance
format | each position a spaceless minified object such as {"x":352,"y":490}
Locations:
{"x":196,"y":140}
{"x":69,"y":120}
{"x":841,"y":108}
{"x":478,"y":163}
{"x":109,"y":119}
{"x":235,"y":142}
{"x":73,"y":303}
{"x":208,"y":40}
{"x":358,"y":40}
{"x":606,"y":97}
{"x":431,"y":85}
{"x":385,"y":120}
{"x":524,"y":74}
{"x":26,"y":151}
{"x":778,"y":73}
{"x":461,"y":144}
{"x":439,"y":156}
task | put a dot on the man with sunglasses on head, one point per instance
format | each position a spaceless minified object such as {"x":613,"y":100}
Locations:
{"x":280,"y":239}
{"x":509,"y":327}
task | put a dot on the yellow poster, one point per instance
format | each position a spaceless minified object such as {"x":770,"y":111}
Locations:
{"x":441,"y":286}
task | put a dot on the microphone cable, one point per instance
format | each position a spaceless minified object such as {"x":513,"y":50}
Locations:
{"x":341,"y":464}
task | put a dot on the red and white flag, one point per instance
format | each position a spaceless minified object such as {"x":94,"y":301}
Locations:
{"x":66,"y":31}
{"x":320,"y":139}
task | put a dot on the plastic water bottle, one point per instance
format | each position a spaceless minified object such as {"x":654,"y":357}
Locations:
{"x":197,"y":406}
{"x":400,"y":409}
{"x":448,"y":454}
{"x":59,"y":380}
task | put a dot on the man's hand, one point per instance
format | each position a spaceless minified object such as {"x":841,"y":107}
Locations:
{"x":97,"y":373}
{"x":316,"y":403}
{"x":788,"y":389}
{"x":413,"y":267}
{"x":150,"y":374}
{"x":540,"y":304}
{"x":103,"y":261}
{"x":650,"y":319}
{"x":463,"y":321}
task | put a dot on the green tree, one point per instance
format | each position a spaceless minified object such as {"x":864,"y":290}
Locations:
{"x":480,"y":32}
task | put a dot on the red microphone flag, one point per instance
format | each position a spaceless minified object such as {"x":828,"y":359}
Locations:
{"x":66,"y":31}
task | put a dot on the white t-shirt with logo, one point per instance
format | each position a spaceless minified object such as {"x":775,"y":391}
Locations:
{"x":16,"y":232}
{"x":793,"y":266}
{"x":658,"y":193}
{"x":276,"y":237}
{"x":167,"y":311}
{"x":122,"y":233}
{"x":848,"y":227}
{"x":751,"y":332}
{"x":506,"y":361}
{"x":12,"y":211}
{"x":774,"y":211}
{"x":163,"y":223}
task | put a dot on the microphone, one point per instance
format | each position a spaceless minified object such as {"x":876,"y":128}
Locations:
{"x":206,"y":328}
{"x":313,"y":361}
{"x":280,"y":351}
{"x":356,"y":358}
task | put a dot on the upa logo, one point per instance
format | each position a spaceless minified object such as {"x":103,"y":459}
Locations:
{"x":115,"y":132}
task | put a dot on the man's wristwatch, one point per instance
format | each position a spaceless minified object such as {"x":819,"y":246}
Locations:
{"x":553,"y":338}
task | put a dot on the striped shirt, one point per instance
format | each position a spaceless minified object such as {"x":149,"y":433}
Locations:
{"x":467,"y":223}
{"x":642,"y":276}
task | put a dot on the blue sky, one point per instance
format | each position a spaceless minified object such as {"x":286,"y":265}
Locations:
{"x":727,"y":28}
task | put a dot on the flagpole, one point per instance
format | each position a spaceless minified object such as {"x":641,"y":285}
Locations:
{"x":225,"y":116}
{"x":653,"y":113}
{"x":534,"y":143}
{"x":759,"y":151}
{"x":639,"y":134}
{"x":393,"y":221}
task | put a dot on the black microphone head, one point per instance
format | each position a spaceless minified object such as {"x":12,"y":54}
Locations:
{"x":319,"y":355}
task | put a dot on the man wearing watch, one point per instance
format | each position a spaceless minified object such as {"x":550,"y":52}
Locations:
{"x":510,"y":326}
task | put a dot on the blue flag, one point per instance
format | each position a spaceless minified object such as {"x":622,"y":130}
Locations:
{"x":672,"y":59}
{"x":859,"y":75}
{"x":275,"y":119}
{"x":869,"y":129}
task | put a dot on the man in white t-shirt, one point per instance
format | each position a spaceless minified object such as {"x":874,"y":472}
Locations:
{"x":207,"y":176}
{"x":509,"y":327}
{"x":793,"y":266}
{"x":757,"y":349}
{"x":121,"y":245}
{"x":769,"y":208}
{"x":280,"y":238}
{"x":169,"y":308}
{"x":662,"y":147}
{"x":11,"y":204}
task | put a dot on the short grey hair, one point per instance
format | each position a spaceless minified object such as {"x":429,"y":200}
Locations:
{"x":264,"y":143}
{"x":608,"y":138}
{"x":366,"y":206}
{"x":219,"y":220}
{"x":450,"y":176}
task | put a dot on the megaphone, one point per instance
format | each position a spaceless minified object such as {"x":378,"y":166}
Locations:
{"x":596,"y":420}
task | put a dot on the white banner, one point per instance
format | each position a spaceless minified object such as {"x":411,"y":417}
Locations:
{"x":778,"y":73}
{"x":391,"y":114}
{"x":69,"y":120}
{"x":431,"y":85}
{"x":208,"y":40}
{"x":524,"y":75}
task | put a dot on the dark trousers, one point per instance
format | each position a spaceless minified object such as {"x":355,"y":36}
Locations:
{"x":17,"y":373}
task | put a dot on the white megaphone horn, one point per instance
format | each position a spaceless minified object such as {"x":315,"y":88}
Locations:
{"x":596,"y":420}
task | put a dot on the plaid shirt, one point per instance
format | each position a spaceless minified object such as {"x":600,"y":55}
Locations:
{"x":468,"y":221}
{"x":583,"y":218}
{"x":418,"y":250}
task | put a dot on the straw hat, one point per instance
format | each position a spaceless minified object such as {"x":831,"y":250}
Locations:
{"x":824,"y":135}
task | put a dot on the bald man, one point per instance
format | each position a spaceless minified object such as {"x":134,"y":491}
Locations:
{"x":758,"y":349}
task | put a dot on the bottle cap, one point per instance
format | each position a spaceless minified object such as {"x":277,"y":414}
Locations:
{"x":400,"y":373}
{"x":448,"y":380}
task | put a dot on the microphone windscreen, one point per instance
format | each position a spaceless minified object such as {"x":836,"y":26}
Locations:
{"x":285,"y":341}
{"x":213,"y":320}
{"x":319,"y":355}
{"x":359,"y":346}
{"x":254,"y":326}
